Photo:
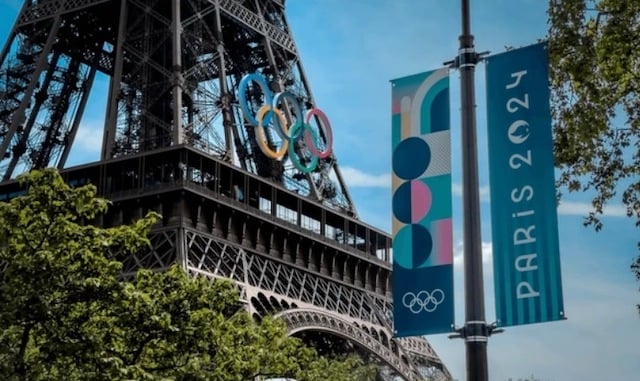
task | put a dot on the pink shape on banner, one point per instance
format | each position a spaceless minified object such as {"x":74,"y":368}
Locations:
{"x":444,"y":249}
{"x":420,"y":200}
{"x":395,"y":108}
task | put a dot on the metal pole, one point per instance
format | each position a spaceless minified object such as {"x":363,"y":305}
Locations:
{"x":475,"y":331}
{"x":177,"y":77}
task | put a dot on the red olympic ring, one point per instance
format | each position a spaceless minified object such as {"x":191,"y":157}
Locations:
{"x":311,"y":146}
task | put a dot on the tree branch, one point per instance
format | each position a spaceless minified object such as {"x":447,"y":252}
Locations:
{"x":20,"y":366}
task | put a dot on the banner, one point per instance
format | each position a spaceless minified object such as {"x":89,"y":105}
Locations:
{"x":421,"y":201}
{"x":526,"y":258}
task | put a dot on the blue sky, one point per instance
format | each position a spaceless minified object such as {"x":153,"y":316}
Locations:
{"x":350,"y":51}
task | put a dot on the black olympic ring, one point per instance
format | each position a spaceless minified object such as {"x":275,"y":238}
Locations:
{"x":423,"y":300}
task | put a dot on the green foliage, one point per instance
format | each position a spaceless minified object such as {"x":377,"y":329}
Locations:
{"x":65,"y":314}
{"x":57,"y":273}
{"x":595,"y":80}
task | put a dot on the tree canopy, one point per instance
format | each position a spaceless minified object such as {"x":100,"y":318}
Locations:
{"x":65,"y":314}
{"x":595,"y":83}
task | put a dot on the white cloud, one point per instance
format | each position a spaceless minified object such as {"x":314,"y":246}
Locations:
{"x":89,"y":137}
{"x":572,"y":208}
{"x":87,"y":144}
{"x":483,"y":191}
{"x":567,"y":208}
{"x":357,"y":178}
{"x":458,"y":253}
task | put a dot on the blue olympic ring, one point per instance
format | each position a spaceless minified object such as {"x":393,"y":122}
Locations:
{"x":269,"y":115}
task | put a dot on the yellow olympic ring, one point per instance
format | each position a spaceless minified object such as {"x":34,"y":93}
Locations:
{"x":261,"y":137}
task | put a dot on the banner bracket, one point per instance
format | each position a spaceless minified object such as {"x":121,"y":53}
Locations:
{"x":466,"y":57}
{"x":476,"y":331}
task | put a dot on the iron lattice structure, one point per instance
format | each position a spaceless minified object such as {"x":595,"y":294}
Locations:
{"x":176,"y":141}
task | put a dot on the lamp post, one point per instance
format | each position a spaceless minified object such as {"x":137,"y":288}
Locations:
{"x":475,"y":331}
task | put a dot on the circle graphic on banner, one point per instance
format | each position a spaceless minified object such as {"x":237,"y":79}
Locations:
{"x":415,"y":243}
{"x":519,"y":132}
{"x":411,"y":201}
{"x":411,"y":158}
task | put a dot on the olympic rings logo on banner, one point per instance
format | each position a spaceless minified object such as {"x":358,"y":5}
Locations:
{"x":270,"y":115}
{"x":423,"y":300}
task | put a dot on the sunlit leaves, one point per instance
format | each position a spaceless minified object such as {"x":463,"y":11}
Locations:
{"x":595,"y":72}
{"x":65,"y":314}
{"x":595,"y":80}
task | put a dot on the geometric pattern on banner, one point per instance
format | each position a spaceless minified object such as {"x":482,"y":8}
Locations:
{"x":526,"y":257}
{"x":422,"y":276}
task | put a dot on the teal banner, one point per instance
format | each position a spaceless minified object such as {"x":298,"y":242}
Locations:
{"x":526,"y":259}
{"x":421,"y":202}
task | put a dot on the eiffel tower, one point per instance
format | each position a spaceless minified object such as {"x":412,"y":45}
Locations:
{"x":185,"y":135}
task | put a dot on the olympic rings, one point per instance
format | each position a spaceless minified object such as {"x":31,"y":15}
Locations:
{"x":297,"y":110}
{"x":291,"y":134}
{"x":261,"y":135}
{"x":329,"y":133}
{"x":295,"y":159}
{"x":423,"y":300}
{"x":242,"y":94}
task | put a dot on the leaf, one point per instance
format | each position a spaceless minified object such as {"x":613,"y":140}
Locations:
{"x":595,"y":90}
{"x":67,"y":315}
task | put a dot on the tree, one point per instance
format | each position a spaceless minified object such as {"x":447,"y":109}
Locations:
{"x":66,"y":315}
{"x":595,"y":83}
{"x":56,"y":273}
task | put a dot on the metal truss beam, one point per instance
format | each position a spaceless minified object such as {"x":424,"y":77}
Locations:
{"x":44,"y":9}
{"x":257,"y":23}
